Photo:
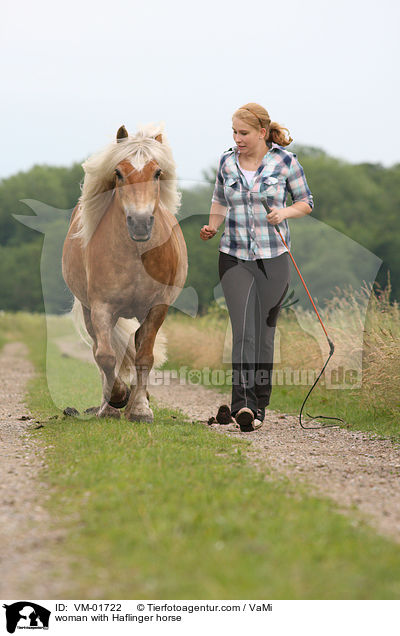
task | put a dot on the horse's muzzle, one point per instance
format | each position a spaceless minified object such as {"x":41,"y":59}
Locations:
{"x":140,"y":228}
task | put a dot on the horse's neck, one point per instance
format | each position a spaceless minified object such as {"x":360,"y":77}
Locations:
{"x":162,"y":229}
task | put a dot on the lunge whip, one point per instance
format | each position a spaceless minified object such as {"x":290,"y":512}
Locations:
{"x":331,"y":345}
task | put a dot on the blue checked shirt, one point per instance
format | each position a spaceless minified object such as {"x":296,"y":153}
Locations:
{"x":247,"y":234}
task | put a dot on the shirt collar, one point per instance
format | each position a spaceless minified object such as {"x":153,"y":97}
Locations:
{"x":264,"y":160}
{"x":273,"y":147}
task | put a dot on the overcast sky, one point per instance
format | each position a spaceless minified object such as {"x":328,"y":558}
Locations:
{"x":74,"y":71}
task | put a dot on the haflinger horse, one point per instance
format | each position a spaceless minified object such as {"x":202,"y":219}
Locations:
{"x":125,"y":261}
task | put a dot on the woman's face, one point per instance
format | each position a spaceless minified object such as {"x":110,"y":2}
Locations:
{"x":246,"y":137}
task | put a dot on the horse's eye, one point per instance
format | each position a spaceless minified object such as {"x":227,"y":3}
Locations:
{"x":157,"y":174}
{"x":118,"y":173}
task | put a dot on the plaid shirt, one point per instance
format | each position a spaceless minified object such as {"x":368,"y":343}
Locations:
{"x":247,"y":234}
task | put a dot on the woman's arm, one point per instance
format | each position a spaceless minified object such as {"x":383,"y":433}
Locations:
{"x":294,"y":211}
{"x":300,"y":208}
{"x":299,"y":191}
{"x":217,"y":217}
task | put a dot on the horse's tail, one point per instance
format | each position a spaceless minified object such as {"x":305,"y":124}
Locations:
{"x":123,"y":341}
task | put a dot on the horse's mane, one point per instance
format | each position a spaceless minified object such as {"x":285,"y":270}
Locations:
{"x":97,"y":188}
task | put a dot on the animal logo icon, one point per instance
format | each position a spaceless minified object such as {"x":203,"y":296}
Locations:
{"x":25,"y":614}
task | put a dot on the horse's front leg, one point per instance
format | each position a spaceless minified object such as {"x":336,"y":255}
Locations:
{"x":138,"y":409}
{"x":103,"y":323}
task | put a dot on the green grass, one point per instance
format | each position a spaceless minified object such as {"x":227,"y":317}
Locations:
{"x":174,"y":510}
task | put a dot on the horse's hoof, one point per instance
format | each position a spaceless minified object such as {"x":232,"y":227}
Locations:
{"x":140,"y":417}
{"x":124,"y":402}
{"x":108,"y":411}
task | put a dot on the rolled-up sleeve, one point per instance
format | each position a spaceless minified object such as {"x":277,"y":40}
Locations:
{"x":297,"y":184}
{"x":219,"y":194}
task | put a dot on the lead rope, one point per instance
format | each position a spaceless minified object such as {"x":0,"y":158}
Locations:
{"x":331,"y":345}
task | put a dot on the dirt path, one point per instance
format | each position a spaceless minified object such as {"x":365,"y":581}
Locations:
{"x":362,"y":475}
{"x":26,"y":561}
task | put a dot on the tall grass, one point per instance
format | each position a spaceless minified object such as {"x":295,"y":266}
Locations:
{"x":198,"y":343}
{"x":365,"y":326}
{"x":381,"y":373}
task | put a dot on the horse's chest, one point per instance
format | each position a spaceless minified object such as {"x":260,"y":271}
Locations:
{"x":141,"y":286}
{"x":129,"y":286}
{"x":143,"y":293}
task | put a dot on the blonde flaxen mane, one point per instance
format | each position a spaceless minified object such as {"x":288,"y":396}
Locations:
{"x":99,"y":180}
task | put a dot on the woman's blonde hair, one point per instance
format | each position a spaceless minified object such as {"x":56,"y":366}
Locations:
{"x":256,"y":116}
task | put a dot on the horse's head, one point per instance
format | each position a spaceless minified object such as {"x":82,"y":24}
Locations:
{"x":138,"y":192}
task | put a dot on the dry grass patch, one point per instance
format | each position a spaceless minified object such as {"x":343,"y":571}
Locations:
{"x":196,"y":342}
{"x":381,"y":360}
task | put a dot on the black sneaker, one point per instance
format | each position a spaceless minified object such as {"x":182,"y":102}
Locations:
{"x":224,"y":415}
{"x":260,"y":415}
{"x":245,"y":419}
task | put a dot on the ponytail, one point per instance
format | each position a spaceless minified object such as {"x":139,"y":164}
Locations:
{"x":279,"y":135}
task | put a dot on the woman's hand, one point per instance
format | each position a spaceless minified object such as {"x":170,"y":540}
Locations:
{"x":207,"y":232}
{"x":276,"y":216}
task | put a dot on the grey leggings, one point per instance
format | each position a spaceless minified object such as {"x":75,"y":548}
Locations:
{"x":254,"y":292}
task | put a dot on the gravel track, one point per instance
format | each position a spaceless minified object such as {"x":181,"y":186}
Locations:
{"x":27,"y":562}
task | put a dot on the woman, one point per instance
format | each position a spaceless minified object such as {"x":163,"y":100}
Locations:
{"x":253,"y":262}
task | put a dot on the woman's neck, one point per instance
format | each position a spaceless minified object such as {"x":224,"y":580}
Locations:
{"x":251,"y":161}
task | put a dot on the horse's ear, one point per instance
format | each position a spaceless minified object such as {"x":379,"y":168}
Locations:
{"x":122,"y":133}
{"x":159,"y":138}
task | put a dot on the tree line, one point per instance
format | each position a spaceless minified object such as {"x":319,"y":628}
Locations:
{"x":358,"y":206}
